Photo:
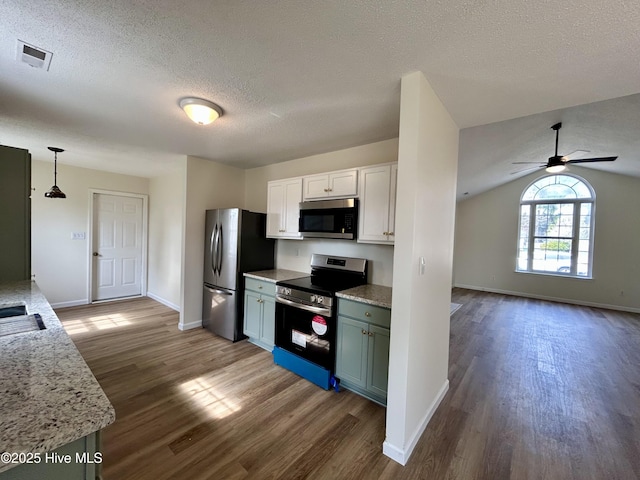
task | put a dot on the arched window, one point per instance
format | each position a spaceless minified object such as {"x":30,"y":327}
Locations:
{"x":556,"y":227}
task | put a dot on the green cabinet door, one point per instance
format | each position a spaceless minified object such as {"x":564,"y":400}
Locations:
{"x":378,"y":361}
{"x":252,"y":314}
{"x":268,"y":332}
{"x":15,"y":214}
{"x":351,"y":354}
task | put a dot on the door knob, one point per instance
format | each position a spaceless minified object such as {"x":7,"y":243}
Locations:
{"x":96,"y":254}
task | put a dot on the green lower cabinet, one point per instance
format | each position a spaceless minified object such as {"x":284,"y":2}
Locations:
{"x":351,"y":355}
{"x":260,"y":314}
{"x":252,"y":314}
{"x":362,"y":349}
{"x":268,"y":331}
{"x":378,"y":361}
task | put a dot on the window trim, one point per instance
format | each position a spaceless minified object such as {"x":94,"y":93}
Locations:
{"x":575,"y":238}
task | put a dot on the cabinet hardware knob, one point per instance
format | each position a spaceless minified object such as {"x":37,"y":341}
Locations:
{"x":370,"y":334}
{"x":259,"y":287}
{"x":367,"y":314}
{"x":385,"y":233}
{"x":364,"y":332}
{"x":390,"y":233}
{"x":326,"y":190}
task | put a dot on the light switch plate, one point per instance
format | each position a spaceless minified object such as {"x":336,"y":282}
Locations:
{"x":78,"y":236}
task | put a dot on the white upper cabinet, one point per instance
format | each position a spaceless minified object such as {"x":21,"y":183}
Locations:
{"x":377,"y":204}
{"x":343,"y":183}
{"x":283,"y":208}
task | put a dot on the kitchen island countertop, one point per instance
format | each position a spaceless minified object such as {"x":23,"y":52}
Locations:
{"x":48,"y":395}
{"x":276,"y":275}
{"x":371,"y":294}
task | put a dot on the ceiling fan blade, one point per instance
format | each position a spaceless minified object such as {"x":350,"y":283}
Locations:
{"x":526,"y":169}
{"x":525,"y":163}
{"x":574,"y":154}
{"x":591,"y":160}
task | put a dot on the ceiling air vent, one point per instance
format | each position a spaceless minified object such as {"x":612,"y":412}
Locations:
{"x":34,"y":56}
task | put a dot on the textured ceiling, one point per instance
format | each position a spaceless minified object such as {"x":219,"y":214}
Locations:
{"x":297,"y":78}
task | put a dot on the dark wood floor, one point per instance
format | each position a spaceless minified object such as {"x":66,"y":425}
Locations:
{"x":538,"y":390}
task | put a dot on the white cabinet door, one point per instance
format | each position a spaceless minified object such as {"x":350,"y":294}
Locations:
{"x":376,"y":188}
{"x":316,"y":186}
{"x":283,"y":209}
{"x":275,"y":208}
{"x":343,"y":183}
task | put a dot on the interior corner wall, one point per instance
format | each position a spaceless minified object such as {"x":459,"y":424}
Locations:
{"x":425,"y":216}
{"x":166,"y":211}
{"x":207,"y":185}
{"x":61,"y":264}
{"x":486,"y":243}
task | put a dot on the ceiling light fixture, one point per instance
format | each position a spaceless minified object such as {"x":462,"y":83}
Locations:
{"x":202,"y":112}
{"x":55,"y":192}
{"x":556,"y":168}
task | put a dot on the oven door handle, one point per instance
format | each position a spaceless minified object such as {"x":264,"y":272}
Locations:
{"x":322,"y":311}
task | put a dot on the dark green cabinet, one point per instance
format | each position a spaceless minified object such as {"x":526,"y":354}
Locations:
{"x":362,"y":349}
{"x":260,"y":312}
{"x":15,"y":214}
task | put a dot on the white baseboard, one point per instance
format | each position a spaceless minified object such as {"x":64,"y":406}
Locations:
{"x":163,"y":301}
{"x":551,"y":299}
{"x":72,"y":303}
{"x":401,"y":455}
{"x":190,"y":325}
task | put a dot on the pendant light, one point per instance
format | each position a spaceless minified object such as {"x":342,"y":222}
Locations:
{"x":55,"y":192}
{"x":202,"y":112}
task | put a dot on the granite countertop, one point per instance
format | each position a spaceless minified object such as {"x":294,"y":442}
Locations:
{"x":377,"y":295}
{"x":276,"y":275}
{"x":48,"y":395}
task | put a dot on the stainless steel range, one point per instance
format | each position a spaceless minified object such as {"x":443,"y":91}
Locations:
{"x":306,"y":315}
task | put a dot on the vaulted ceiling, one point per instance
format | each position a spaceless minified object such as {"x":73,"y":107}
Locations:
{"x":297,"y":78}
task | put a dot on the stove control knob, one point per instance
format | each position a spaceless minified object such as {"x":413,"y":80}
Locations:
{"x":312,"y":298}
{"x":287,"y":291}
{"x":319,"y":299}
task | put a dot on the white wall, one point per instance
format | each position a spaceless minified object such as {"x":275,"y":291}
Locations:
{"x":166,"y":212}
{"x":60,"y":264}
{"x":207,"y":185}
{"x":296,"y":254}
{"x":486,"y":237}
{"x":425,"y":215}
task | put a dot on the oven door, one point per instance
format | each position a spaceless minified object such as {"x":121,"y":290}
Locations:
{"x":306,"y":331}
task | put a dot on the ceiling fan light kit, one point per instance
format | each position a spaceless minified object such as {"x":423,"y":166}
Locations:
{"x":55,"y":192}
{"x":202,"y":112}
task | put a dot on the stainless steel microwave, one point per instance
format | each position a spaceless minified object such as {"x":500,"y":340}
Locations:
{"x":329,"y":218}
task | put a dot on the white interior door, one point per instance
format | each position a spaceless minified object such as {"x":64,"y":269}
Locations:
{"x":117,"y":246}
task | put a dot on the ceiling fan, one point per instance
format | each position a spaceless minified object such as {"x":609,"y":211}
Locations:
{"x":558,"y":163}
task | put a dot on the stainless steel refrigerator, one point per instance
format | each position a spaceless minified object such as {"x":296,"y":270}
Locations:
{"x":235,"y":243}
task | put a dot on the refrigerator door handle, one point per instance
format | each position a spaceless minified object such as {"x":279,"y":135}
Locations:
{"x":212,"y":247}
{"x":217,"y":290}
{"x":220,"y":240}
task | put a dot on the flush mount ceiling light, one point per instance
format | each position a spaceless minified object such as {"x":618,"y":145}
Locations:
{"x":202,"y":112}
{"x":55,"y":192}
